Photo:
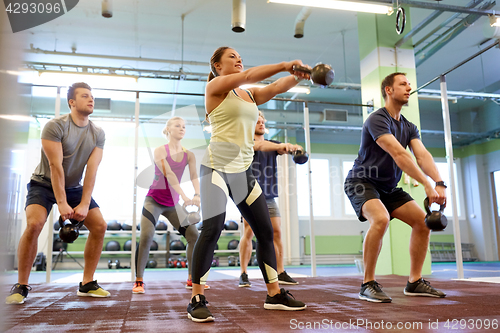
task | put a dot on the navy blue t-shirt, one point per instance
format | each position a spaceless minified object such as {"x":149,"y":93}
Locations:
{"x":265,"y":171}
{"x":375,"y":164}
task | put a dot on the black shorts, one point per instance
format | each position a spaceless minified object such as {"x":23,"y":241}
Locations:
{"x":43,"y":195}
{"x":360,"y":191}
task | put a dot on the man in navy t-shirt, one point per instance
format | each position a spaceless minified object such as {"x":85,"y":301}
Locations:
{"x":264,"y":169}
{"x":371,"y":187}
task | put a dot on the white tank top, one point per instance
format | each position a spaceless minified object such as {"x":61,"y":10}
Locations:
{"x":233,"y":126}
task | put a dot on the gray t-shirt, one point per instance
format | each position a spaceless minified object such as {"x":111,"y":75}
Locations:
{"x":77,"y":144}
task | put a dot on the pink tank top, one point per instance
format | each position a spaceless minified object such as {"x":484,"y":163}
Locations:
{"x":159,"y":190}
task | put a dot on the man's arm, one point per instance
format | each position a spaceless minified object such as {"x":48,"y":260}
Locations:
{"x":54,"y":152}
{"x":405,"y":162}
{"x":426,"y":162}
{"x":281,"y":148}
{"x":160,"y":160}
{"x":93,"y":162}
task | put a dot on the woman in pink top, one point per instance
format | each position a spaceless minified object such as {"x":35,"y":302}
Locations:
{"x":163,"y":197}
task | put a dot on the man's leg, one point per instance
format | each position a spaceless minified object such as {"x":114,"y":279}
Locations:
{"x":278,"y":244}
{"x":245,"y":247}
{"x":414,"y":216}
{"x":93,"y":247}
{"x":36,"y":215}
{"x":376,"y":213}
{"x":378,"y":216}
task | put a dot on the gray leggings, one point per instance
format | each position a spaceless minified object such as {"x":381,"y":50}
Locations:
{"x":150,"y":214}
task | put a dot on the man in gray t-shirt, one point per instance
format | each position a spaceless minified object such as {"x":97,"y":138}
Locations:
{"x":70,"y":144}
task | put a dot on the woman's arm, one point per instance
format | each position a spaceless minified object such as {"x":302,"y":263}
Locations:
{"x":263,"y":95}
{"x":161,"y":162}
{"x":223,"y":84}
{"x":194,"y":178}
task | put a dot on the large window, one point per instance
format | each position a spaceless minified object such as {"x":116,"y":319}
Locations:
{"x":496,"y":177}
{"x":320,"y":176}
{"x":346,"y":167}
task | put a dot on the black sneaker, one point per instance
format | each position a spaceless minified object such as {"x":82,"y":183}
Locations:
{"x":18,"y":293}
{"x":92,"y":289}
{"x":372,"y":291}
{"x":198,"y":311}
{"x":283,"y":301}
{"x":244,"y":282}
{"x":422,"y":287}
{"x":284,"y":278}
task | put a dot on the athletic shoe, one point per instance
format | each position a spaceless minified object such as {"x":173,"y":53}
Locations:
{"x":372,"y":291}
{"x":244,"y":282}
{"x":284,"y":278}
{"x":198,"y":311}
{"x":422,"y":287}
{"x":138,"y":287}
{"x":189,"y":285}
{"x":18,"y":293}
{"x":283,"y":301}
{"x":92,"y":289}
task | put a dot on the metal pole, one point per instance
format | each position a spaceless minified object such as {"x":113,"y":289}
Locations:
{"x":451,"y":171}
{"x":311,"y":215}
{"x":50,"y":218}
{"x":58,"y":102}
{"x":50,"y":243}
{"x":286,"y":175}
{"x":456,"y":66}
{"x":134,"y":205}
{"x":449,"y":8}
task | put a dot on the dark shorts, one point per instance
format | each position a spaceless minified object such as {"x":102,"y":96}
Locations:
{"x":360,"y":191}
{"x":273,"y":208}
{"x":43,"y":195}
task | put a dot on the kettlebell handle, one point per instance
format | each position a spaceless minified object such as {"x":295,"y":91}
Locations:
{"x":78,"y":224}
{"x":196,"y":211}
{"x":428,"y":209}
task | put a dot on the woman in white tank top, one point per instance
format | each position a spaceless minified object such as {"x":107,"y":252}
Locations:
{"x":225,"y":171}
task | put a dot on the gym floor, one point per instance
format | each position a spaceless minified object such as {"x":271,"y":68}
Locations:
{"x":448,"y":270}
{"x":331,"y":297}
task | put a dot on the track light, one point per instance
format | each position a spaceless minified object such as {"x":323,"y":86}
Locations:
{"x":300,"y":21}
{"x":494,"y":21}
{"x":238,"y":19}
{"x":107,"y":8}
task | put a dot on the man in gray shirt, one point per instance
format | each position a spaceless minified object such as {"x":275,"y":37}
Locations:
{"x":69,"y":144}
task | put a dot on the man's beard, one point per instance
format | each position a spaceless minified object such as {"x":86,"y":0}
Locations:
{"x":260,"y":132}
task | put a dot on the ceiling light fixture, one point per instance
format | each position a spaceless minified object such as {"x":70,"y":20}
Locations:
{"x":365,"y":7}
{"x":299,"y":90}
{"x":494,"y":21}
{"x":16,"y":117}
{"x":94,"y":80}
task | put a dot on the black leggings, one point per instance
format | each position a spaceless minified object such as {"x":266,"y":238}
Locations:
{"x":248,"y":197}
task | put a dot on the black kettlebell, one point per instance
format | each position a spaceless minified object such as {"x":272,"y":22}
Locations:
{"x":300,"y":156}
{"x":70,"y":229}
{"x":114,"y":264}
{"x":435,"y":220}
{"x":193,"y":217}
{"x":321,"y":74}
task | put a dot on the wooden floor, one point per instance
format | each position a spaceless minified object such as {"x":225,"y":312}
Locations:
{"x":332,"y":305}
